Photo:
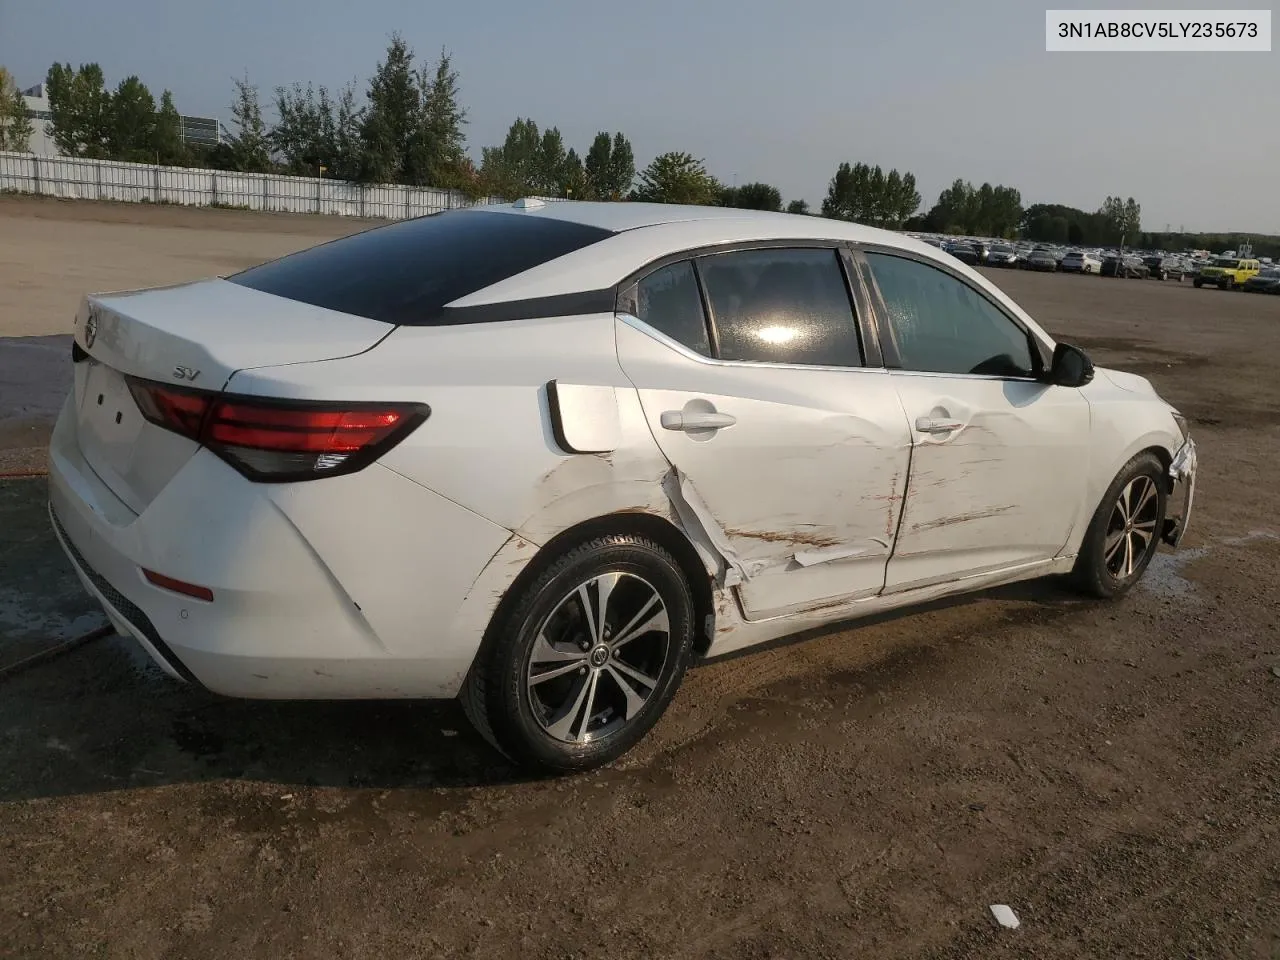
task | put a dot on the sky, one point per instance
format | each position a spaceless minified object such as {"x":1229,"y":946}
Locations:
{"x":775,"y":90}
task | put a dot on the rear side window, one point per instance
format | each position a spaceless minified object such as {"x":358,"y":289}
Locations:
{"x":781,"y":306}
{"x":406,"y":272}
{"x":668,"y":300}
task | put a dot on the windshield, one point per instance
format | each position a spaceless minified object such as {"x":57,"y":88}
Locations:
{"x":1227,"y":262}
{"x":1001,"y":249}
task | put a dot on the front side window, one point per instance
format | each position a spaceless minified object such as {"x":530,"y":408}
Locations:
{"x":942,"y":325}
{"x":782,"y":306}
{"x":668,"y":300}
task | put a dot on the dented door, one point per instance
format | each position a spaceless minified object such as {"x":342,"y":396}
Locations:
{"x":803,"y":470}
{"x":997,"y":474}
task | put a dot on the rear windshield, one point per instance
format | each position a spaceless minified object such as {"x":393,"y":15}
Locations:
{"x":406,"y":272}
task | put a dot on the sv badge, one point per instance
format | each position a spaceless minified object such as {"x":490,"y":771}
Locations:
{"x":185,"y":373}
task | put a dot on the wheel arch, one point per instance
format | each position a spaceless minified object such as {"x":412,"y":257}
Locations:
{"x":638,"y":523}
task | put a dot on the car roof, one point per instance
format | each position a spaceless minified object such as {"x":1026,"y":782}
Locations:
{"x":621,"y":217}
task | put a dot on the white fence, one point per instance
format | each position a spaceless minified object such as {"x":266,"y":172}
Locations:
{"x":79,"y":179}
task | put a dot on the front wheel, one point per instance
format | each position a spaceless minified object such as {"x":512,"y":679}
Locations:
{"x":1197,"y":284}
{"x":1125,"y":530}
{"x":586,"y":657}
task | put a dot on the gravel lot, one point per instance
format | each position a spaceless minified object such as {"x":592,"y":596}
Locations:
{"x":1111,"y":771}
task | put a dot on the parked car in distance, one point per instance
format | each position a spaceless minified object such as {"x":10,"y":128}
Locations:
{"x":1002,"y":255}
{"x":1078,"y":261}
{"x":545,"y":481}
{"x":1041,"y":259}
{"x":1265,"y":281}
{"x":1124,"y":266}
{"x":1228,"y":273}
{"x":1165,"y":268}
{"x":965,"y":253}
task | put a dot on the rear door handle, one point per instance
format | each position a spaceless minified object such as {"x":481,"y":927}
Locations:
{"x":930,"y":425}
{"x":679,"y":420}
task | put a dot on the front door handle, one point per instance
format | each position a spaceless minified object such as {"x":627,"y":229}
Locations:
{"x":689,"y":421}
{"x":931,"y":425}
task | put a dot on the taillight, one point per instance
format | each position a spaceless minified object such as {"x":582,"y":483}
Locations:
{"x":272,"y":440}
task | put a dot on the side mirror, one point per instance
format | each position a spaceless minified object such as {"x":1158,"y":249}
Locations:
{"x":1071,"y":366}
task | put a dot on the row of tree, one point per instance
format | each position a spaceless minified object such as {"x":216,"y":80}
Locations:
{"x":410,"y":129}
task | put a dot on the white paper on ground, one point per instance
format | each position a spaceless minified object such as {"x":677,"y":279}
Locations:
{"x":1004,"y":916}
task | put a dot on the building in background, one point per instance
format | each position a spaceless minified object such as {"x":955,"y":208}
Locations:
{"x":198,"y":131}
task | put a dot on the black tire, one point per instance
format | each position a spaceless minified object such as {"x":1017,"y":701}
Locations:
{"x":499,"y":696}
{"x":1096,"y":569}
{"x":1197,"y":283}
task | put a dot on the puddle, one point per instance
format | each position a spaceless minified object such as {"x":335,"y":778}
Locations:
{"x":1164,"y":577}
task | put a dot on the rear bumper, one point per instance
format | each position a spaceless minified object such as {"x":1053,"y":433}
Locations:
{"x":1182,"y":474}
{"x":343,"y":588}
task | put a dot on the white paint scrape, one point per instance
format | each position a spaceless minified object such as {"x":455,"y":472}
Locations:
{"x":1005,"y":916}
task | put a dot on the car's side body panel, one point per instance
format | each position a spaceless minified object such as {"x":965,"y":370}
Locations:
{"x":1001,"y":490}
{"x":805,"y":485}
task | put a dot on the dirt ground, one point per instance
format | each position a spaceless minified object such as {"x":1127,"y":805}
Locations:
{"x":1109,"y":770}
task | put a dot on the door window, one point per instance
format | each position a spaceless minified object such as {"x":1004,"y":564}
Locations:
{"x":942,"y":325}
{"x":668,"y":300}
{"x":781,"y":306}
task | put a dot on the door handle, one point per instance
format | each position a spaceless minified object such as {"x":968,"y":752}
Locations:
{"x":680,"y":420}
{"x":930,"y":425}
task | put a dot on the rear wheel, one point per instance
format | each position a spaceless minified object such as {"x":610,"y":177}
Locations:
{"x":586,"y":658}
{"x":1125,"y":530}
{"x":1197,"y":283}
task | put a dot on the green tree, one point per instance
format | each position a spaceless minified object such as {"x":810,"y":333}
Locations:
{"x":347,"y":161}
{"x":131,"y":133}
{"x":304,"y":135}
{"x":166,"y":136}
{"x":757,"y":196}
{"x":250,"y":149}
{"x":800,"y":207}
{"x":392,"y":118}
{"x":907,"y":200}
{"x":609,"y":167}
{"x":849,"y":194}
{"x":437,"y":150}
{"x":676,"y":178}
{"x":978,"y":211}
{"x":512,"y":170}
{"x":1122,"y":219}
{"x":573,"y":179}
{"x":81,"y":109}
{"x":15,"y":124}
{"x":549,"y":171}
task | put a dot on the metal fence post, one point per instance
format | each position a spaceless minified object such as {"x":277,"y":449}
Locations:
{"x":35,"y":173}
{"x":265,"y":181}
{"x":97,"y":177}
{"x":406,"y":203}
{"x":156,"y":181}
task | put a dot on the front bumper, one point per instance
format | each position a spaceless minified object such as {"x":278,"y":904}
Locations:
{"x":1182,"y":476}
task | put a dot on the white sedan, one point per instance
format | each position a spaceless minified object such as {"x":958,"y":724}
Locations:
{"x":542,"y":456}
{"x":1081,"y":262}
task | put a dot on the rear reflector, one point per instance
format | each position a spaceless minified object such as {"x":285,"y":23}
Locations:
{"x":272,"y":440}
{"x":178,"y":586}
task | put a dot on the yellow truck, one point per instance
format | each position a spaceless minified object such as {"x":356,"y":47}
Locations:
{"x":1228,"y":273}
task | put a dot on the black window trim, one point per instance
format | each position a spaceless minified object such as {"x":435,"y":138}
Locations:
{"x":859,"y":302}
{"x":1041,"y":355}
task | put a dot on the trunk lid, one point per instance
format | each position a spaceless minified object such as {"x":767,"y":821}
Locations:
{"x":193,"y":335}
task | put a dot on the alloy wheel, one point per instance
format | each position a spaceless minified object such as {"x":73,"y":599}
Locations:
{"x":1131,"y":531}
{"x":598,"y":657}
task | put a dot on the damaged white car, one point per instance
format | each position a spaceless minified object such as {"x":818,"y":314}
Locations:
{"x":542,"y":456}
